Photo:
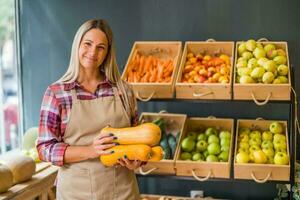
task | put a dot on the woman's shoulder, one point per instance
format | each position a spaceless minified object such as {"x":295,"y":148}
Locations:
{"x":59,"y":89}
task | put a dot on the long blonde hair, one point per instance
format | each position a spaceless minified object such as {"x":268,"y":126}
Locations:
{"x":109,"y":64}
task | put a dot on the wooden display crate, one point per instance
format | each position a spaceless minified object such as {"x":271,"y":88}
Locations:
{"x":168,"y":197}
{"x":162,"y":50}
{"x":262,"y":93}
{"x":175,"y":125}
{"x":260,"y":172}
{"x":205,"y":90}
{"x":202,"y":170}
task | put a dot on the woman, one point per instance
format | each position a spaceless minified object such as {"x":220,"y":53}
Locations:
{"x":88,"y":97}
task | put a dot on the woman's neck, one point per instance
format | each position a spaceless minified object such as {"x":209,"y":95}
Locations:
{"x":90,"y":76}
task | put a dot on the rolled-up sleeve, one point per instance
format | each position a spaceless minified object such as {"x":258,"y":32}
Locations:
{"x":50,"y":145}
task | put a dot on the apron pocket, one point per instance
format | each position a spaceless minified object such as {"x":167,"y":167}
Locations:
{"x":74,"y":183}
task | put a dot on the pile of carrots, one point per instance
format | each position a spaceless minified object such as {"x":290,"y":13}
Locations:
{"x":149,"y":69}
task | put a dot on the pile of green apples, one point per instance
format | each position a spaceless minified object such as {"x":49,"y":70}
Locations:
{"x":261,"y":63}
{"x":211,"y":145}
{"x":264,"y":147}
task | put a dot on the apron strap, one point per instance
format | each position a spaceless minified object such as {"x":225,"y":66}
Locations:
{"x":74,"y":95}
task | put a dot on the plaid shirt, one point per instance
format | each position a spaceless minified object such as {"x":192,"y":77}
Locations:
{"x":55,"y":115}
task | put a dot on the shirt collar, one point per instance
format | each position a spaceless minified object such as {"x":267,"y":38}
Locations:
{"x":75,"y":84}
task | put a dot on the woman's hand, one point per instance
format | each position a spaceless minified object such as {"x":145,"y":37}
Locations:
{"x":101,"y":144}
{"x":130,"y":164}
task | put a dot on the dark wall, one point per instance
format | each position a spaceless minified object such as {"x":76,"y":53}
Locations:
{"x":48,"y":27}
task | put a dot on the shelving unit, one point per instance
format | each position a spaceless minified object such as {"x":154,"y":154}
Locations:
{"x":237,"y":109}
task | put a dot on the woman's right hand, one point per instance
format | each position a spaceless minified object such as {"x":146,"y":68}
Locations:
{"x":100,"y":145}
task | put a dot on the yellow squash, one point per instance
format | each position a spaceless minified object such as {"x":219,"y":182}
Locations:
{"x":133,"y":152}
{"x":147,"y":133}
{"x":157,"y":153}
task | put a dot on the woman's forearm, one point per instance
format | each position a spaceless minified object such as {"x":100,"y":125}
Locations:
{"x":79,"y":153}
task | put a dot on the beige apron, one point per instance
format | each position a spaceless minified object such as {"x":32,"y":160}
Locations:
{"x":90,"y":180}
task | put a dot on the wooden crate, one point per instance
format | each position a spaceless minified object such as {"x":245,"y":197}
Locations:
{"x":202,"y":170}
{"x":175,"y":125}
{"x":262,"y":93}
{"x":168,"y":197}
{"x":260,"y":172}
{"x":164,"y":50}
{"x":204,"y":90}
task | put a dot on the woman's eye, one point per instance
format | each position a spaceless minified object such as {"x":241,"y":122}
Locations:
{"x":87,"y":44}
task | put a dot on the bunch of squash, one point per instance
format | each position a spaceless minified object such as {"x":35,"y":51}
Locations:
{"x":137,"y":143}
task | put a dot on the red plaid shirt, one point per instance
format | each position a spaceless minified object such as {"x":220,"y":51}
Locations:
{"x":55,"y":114}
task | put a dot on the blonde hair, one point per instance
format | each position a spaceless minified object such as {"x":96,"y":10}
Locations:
{"x":109,"y":64}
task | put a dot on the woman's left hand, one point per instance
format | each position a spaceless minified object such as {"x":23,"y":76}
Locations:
{"x":130,"y":164}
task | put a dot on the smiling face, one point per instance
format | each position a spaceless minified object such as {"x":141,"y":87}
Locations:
{"x":93,"y":49}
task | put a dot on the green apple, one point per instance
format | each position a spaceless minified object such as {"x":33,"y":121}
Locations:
{"x":259,"y":53}
{"x":281,"y":52}
{"x":279,"y":137}
{"x":225,"y":134}
{"x":205,"y":154}
{"x":244,"y":138}
{"x":225,"y":142}
{"x":241,"y":149}
{"x":269,"y":152}
{"x":283,"y":79}
{"x":259,"y":157}
{"x":214,"y":149}
{"x":213,"y":139}
{"x":225,"y":148}
{"x":201,"y":145}
{"x":188,"y":144}
{"x":246,"y":79}
{"x":247,"y":55}
{"x":269,"y":47}
{"x":211,"y":131}
{"x":255,"y":134}
{"x":267,"y":144}
{"x":259,"y":45}
{"x":254,"y":148}
{"x":242,"y":48}
{"x":250,"y":45}
{"x":185,"y":156}
{"x":267,"y":135}
{"x":281,"y":158}
{"x":257,"y":72}
{"x":280,"y":60}
{"x":276,"y":128}
{"x":244,"y":71}
{"x":255,"y":141}
{"x":197,"y":157}
{"x":244,"y":145}
{"x":33,"y":153}
{"x":241,"y":59}
{"x":281,"y":150}
{"x":192,"y":135}
{"x":276,"y":81}
{"x":242,"y":63}
{"x":212,"y":158}
{"x":270,"y":159}
{"x":270,"y":66}
{"x":202,"y":136}
{"x":223,"y":156}
{"x":244,"y":130}
{"x":261,"y":62}
{"x":252,"y":63}
{"x":268,"y":78}
{"x":280,"y":144}
{"x":272,"y":54}
{"x":282,"y":70}
{"x":242,"y":157}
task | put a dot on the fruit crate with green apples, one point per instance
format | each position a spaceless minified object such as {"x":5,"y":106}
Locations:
{"x":261,"y":71}
{"x":206,"y":147}
{"x":262,"y":150}
{"x":205,"y":70}
{"x":151,"y":68}
{"x":171,"y":125}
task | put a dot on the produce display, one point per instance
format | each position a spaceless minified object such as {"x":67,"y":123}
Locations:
{"x":267,"y":146}
{"x":168,"y":141}
{"x":149,"y":68}
{"x":210,"y":145}
{"x":261,"y":63}
{"x":136,"y":143}
{"x":206,"y":68}
{"x":29,"y":144}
